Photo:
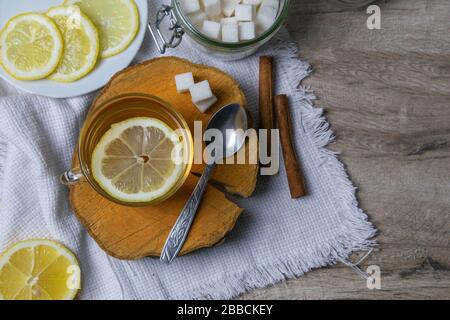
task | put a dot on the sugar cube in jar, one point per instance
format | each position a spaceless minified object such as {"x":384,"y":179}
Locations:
{"x":266,"y":16}
{"x":213,"y":8}
{"x":230,"y":32}
{"x":229,"y":7}
{"x":232,"y":21}
{"x":247,"y":30}
{"x":190,"y":6}
{"x":212,"y":29}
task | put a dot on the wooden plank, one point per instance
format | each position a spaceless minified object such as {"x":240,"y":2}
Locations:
{"x":426,"y":279}
{"x":387,"y":96}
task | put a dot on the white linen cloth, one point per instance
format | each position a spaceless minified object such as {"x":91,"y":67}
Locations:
{"x":276,"y":237}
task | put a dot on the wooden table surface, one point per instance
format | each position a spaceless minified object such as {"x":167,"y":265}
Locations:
{"x":387,"y":96}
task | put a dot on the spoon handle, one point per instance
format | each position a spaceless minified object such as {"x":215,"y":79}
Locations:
{"x":180,"y":230}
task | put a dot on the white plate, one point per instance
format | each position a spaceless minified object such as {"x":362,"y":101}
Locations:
{"x":104,"y":70}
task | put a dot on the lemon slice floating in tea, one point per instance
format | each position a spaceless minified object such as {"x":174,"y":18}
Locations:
{"x":116,"y":20}
{"x":31,"y":46}
{"x":81,"y":43}
{"x":38,"y":270}
{"x":138,"y":160}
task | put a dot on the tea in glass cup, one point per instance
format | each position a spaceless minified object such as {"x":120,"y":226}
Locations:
{"x":135,"y":150}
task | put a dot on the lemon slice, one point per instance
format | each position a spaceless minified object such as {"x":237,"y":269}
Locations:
{"x":137,"y":160}
{"x":116,"y":20}
{"x":38,"y":270}
{"x":31,"y":46}
{"x":81,"y":43}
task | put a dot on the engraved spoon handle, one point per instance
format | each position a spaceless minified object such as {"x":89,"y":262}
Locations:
{"x":180,"y":230}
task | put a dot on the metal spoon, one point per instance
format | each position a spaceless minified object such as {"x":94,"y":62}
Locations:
{"x":231,"y":122}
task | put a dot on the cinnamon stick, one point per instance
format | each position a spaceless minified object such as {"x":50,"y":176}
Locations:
{"x":294,"y":174}
{"x":266,"y":113}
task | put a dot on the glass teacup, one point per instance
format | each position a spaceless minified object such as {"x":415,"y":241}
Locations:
{"x":117,"y":110}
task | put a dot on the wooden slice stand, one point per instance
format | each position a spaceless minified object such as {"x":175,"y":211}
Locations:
{"x":133,"y":233}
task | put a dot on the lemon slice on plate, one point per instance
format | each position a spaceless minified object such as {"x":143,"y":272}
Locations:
{"x":137,"y":160}
{"x":116,"y":20}
{"x":38,"y":270}
{"x":81,"y":43}
{"x":31,"y":46}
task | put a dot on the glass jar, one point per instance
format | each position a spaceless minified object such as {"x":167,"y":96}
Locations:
{"x":181,"y":26}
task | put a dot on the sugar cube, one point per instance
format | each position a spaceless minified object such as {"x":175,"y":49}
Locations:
{"x":197,"y":19}
{"x":252,"y":2}
{"x":203,"y":106}
{"x":271,"y":3}
{"x":228,"y":20}
{"x":211,"y":29}
{"x":184,"y":82}
{"x":230,"y":32}
{"x":212,"y":8}
{"x":247,"y":30}
{"x":266,"y":17}
{"x":217,"y":18}
{"x":228,"y":7}
{"x":190,"y":6}
{"x":244,"y":12}
{"x":201,"y":91}
{"x":231,"y":21}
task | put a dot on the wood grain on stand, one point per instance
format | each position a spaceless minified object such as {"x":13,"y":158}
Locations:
{"x":386,"y":93}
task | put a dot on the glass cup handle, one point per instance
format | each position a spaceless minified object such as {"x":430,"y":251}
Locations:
{"x":71,"y":177}
{"x":160,"y":40}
